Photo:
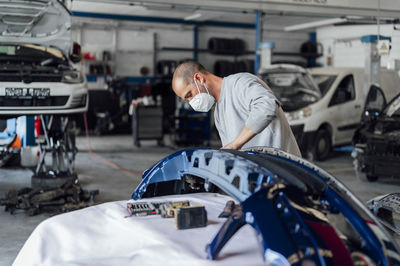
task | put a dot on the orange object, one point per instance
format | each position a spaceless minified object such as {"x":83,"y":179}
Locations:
{"x":16,"y":143}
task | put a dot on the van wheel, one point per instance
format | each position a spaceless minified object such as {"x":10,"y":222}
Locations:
{"x":372,"y":178}
{"x":322,"y":146}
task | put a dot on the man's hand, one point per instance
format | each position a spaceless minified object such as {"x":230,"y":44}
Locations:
{"x":230,"y":146}
{"x":245,"y":135}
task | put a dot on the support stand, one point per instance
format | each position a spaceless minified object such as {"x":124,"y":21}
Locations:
{"x":59,"y":141}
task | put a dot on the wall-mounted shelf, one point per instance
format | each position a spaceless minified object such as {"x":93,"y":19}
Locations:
{"x":305,"y":55}
{"x":134,"y":51}
{"x":183,"y":49}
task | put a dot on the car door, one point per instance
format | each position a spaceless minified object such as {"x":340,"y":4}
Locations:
{"x":345,"y":110}
{"x":374,"y":103}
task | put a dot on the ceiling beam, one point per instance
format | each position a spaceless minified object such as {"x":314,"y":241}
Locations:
{"x":164,"y":20}
{"x":388,"y":8}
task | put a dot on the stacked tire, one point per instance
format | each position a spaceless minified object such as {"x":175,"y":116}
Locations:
{"x":225,"y":68}
{"x":166,"y":68}
{"x":226,"y":46}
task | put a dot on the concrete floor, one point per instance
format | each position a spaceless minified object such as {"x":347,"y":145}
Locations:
{"x":115,"y":185}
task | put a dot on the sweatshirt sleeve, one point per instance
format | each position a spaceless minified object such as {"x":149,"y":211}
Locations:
{"x":262,"y":105}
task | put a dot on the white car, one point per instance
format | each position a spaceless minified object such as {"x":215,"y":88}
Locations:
{"x":36,"y":71}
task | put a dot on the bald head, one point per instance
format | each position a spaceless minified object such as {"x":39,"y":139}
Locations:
{"x":183,"y":79}
{"x":184,"y":76}
{"x":186,"y":70}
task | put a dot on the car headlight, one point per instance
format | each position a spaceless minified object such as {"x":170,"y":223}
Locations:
{"x":72,"y":77}
{"x":302,"y":113}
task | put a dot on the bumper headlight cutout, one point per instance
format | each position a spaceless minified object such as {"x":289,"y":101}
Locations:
{"x":72,"y":77}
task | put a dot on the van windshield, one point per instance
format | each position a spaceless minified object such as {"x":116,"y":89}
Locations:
{"x":324,"y":82}
{"x":294,"y":90}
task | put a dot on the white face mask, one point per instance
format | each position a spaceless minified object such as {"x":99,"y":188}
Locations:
{"x":202,"y":102}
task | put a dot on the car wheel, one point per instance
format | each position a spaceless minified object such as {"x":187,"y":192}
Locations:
{"x":322,"y":145}
{"x":372,"y":178}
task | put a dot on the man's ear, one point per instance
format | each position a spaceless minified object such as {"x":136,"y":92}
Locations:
{"x":199,"y":77}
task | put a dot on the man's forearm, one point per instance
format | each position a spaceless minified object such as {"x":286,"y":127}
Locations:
{"x":244,"y":136}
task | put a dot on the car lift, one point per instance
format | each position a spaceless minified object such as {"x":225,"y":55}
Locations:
{"x":58,"y":141}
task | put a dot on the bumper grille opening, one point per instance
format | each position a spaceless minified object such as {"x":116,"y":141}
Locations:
{"x":49,"y":101}
{"x":16,"y":75}
{"x":79,"y":101}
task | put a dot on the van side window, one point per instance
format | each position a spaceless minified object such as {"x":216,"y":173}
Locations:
{"x":344,"y":92}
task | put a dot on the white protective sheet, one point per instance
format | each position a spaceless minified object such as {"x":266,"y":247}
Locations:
{"x":101,"y":235}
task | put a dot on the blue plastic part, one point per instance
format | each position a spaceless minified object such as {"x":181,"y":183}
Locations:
{"x":217,"y":171}
{"x":91,"y":78}
{"x":280,"y":216}
{"x":29,"y":138}
{"x":341,"y":205}
{"x":272,"y":215}
{"x":230,"y":227}
{"x":259,"y":211}
{"x":346,"y":148}
{"x":303,"y":237}
{"x":374,"y":38}
{"x":266,"y":45}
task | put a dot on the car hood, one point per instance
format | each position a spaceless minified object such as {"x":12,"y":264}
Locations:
{"x":42,"y":22}
{"x":280,"y":67}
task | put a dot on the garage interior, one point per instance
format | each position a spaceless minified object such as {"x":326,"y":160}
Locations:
{"x":128,"y":52}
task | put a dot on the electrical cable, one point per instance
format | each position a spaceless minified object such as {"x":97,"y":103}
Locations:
{"x":105,"y":161}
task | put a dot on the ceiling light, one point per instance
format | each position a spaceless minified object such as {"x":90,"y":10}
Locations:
{"x":315,"y":24}
{"x":193,"y":16}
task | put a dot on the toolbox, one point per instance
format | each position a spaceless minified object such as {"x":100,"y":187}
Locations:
{"x":147,"y":124}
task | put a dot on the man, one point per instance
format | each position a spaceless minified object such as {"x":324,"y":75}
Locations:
{"x":247,"y":114}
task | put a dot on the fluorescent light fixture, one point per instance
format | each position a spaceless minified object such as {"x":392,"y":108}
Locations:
{"x":315,"y":24}
{"x":106,"y":6}
{"x":355,"y":17}
{"x":193,"y":16}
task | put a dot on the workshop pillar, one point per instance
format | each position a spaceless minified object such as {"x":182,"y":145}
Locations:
{"x":258,"y":31}
{"x":372,"y":60}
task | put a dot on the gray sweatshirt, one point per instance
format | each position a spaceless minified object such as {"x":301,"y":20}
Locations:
{"x":247,"y":100}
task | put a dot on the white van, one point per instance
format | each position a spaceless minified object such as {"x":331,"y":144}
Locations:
{"x":332,"y":119}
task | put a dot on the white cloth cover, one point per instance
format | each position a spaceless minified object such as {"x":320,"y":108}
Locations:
{"x":101,"y":235}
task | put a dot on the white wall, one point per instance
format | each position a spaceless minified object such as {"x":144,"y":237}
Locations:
{"x":132,"y":43}
{"x":343,"y":44}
